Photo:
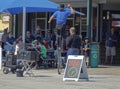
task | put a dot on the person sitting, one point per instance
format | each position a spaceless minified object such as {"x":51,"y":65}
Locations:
{"x":43,"y":54}
{"x":48,"y":37}
{"x":3,"y":39}
{"x":19,"y":50}
{"x":18,"y":39}
{"x":19,"y":47}
{"x":37,"y":34}
{"x":10,"y":43}
{"x":45,"y":42}
{"x":29,"y":37}
{"x":4,"y":36}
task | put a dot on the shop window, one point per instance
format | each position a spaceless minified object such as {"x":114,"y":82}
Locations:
{"x":41,"y":15}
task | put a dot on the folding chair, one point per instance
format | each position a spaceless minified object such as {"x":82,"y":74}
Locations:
{"x":27,"y":59}
{"x":27,"y":67}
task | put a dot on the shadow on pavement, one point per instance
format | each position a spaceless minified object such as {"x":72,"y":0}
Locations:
{"x":42,"y":76}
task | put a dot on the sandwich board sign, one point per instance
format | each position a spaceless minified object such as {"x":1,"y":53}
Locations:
{"x":76,"y":68}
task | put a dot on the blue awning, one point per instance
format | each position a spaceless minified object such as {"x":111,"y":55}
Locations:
{"x":27,"y":6}
{"x":16,"y":6}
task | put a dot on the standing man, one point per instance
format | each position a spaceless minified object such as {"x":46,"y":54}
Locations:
{"x":110,"y":46}
{"x":73,"y":43}
{"x":61,"y":17}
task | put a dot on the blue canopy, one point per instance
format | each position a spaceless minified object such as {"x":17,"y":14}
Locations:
{"x":27,"y":6}
{"x":16,"y":6}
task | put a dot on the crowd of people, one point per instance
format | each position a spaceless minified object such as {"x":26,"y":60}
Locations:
{"x":49,"y":42}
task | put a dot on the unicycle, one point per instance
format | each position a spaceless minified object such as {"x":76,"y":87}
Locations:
{"x":59,"y":62}
{"x":59,"y":39}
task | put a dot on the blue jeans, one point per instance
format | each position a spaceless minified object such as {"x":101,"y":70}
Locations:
{"x":72,"y":51}
{"x":9,"y":48}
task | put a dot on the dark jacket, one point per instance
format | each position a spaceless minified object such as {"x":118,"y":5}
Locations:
{"x":73,"y":41}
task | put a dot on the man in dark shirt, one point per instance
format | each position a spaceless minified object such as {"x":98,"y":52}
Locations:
{"x":111,"y":40}
{"x":73,"y":43}
{"x":29,"y":38}
{"x":10,"y":43}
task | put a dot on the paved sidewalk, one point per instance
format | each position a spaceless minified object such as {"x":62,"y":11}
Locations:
{"x":104,"y":77}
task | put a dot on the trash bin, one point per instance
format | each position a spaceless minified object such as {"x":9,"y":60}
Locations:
{"x":94,"y":55}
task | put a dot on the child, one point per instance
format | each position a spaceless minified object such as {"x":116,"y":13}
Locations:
{"x":86,"y":50}
{"x":43,"y":50}
{"x":43,"y":54}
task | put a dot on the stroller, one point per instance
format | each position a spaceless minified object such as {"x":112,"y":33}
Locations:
{"x":10,"y":63}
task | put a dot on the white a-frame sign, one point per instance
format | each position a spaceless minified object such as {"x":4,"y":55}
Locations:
{"x":76,"y":68}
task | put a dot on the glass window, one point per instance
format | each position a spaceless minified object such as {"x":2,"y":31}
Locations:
{"x":41,"y":15}
{"x":116,"y":16}
{"x":84,"y":10}
{"x":83,"y":23}
{"x":41,"y":23}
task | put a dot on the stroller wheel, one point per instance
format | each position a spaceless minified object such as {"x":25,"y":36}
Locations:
{"x":5,"y":70}
{"x":13,"y":70}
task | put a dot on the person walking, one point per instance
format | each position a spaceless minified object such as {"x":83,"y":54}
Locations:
{"x":73,"y":43}
{"x":61,"y":18}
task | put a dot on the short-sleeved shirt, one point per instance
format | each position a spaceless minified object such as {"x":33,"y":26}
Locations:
{"x":43,"y":51}
{"x":109,"y":42}
{"x":61,"y":16}
{"x":29,"y":40}
{"x":10,"y":40}
{"x":48,"y":38}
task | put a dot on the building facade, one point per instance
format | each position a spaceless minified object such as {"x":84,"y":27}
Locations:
{"x":104,"y":14}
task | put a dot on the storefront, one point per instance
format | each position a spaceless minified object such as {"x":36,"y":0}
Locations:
{"x":103,"y":16}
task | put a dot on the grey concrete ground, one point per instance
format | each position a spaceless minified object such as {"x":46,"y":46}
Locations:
{"x":104,"y":77}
